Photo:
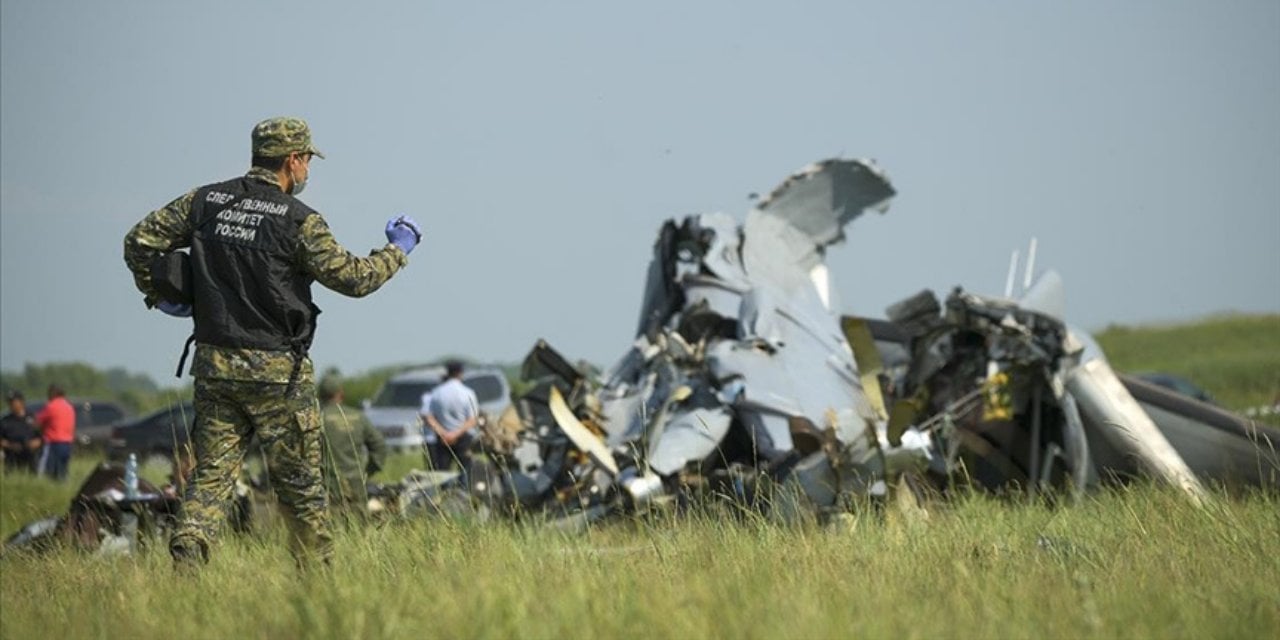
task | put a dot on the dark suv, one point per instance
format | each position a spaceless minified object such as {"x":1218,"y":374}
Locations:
{"x":158,"y":435}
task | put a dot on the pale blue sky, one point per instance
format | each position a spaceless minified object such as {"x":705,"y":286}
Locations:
{"x":542,"y":144}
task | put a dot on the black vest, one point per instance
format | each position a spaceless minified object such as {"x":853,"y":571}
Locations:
{"x":249,"y":290}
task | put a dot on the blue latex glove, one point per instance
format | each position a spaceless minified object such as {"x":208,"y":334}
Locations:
{"x":175,"y":309}
{"x":412,"y":224}
{"x":403,"y":232}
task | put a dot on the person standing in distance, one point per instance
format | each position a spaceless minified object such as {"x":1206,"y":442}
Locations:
{"x":57,"y":421}
{"x":19,"y":438}
{"x":353,"y":450}
{"x":451,"y":412}
{"x":255,"y":251}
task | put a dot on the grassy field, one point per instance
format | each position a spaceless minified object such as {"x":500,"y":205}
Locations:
{"x":1235,"y":358}
{"x":1138,"y":562}
{"x":1132,"y":562}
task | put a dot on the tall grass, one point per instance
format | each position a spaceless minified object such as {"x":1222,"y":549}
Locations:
{"x":1135,"y":562}
{"x":1129,"y":562}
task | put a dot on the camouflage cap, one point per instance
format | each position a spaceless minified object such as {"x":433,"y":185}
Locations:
{"x":275,"y":137}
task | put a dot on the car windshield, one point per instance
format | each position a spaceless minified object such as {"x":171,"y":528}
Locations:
{"x":487,"y":387}
{"x":403,"y":394}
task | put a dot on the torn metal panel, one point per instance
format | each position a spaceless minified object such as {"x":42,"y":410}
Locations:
{"x":820,"y":199}
{"x":867,"y":358}
{"x":690,"y":436}
{"x":777,"y":254}
{"x":1106,"y":403}
{"x":769,"y":433}
{"x":713,"y":296}
{"x":623,"y":414}
{"x":765,"y":384}
{"x":581,"y":436}
{"x":810,"y":487}
{"x":722,"y":258}
{"x":543,"y":362}
{"x":1076,"y":444}
{"x":661,"y":296}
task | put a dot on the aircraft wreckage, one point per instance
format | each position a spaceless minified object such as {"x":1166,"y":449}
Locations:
{"x":744,"y":384}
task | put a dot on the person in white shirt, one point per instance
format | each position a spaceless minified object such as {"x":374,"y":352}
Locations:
{"x":451,"y":412}
{"x":429,"y":438}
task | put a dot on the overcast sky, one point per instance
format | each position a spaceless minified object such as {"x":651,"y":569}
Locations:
{"x":541,"y":145}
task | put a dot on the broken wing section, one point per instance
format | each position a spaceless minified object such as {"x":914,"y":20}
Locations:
{"x":820,"y":199}
{"x":787,"y":233}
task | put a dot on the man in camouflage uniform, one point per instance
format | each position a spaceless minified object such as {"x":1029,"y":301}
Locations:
{"x":255,"y":250}
{"x":353,"y":450}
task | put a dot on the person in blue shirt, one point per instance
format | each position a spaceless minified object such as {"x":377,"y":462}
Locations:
{"x":452,"y":413}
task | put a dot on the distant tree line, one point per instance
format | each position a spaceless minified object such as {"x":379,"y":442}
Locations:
{"x":137,"y":392}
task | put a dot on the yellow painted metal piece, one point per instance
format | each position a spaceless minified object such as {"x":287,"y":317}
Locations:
{"x":867,"y":356}
{"x":997,"y":398}
{"x":579,"y":434}
{"x":681,"y":393}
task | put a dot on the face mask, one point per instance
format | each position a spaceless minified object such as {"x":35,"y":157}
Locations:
{"x":299,"y":185}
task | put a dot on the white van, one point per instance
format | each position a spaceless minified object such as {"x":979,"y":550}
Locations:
{"x":394,"y":410}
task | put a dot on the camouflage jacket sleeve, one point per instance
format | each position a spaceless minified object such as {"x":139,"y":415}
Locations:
{"x":376,"y":446}
{"x":338,"y":269}
{"x":162,"y":231}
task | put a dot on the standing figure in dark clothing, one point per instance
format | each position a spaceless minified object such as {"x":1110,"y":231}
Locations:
{"x":19,"y":438}
{"x":255,"y":250}
{"x":353,"y":450}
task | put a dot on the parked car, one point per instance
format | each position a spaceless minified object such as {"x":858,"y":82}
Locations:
{"x":94,"y":419}
{"x":155,"y":437}
{"x":394,"y":409}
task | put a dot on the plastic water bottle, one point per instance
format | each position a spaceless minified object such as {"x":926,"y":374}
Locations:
{"x":131,"y":477}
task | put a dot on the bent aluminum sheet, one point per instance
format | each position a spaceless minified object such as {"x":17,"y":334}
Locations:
{"x":820,"y":199}
{"x":581,"y":436}
{"x":1108,"y":405}
{"x":690,"y":436}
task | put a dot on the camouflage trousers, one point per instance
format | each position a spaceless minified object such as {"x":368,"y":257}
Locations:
{"x":228,"y":413}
